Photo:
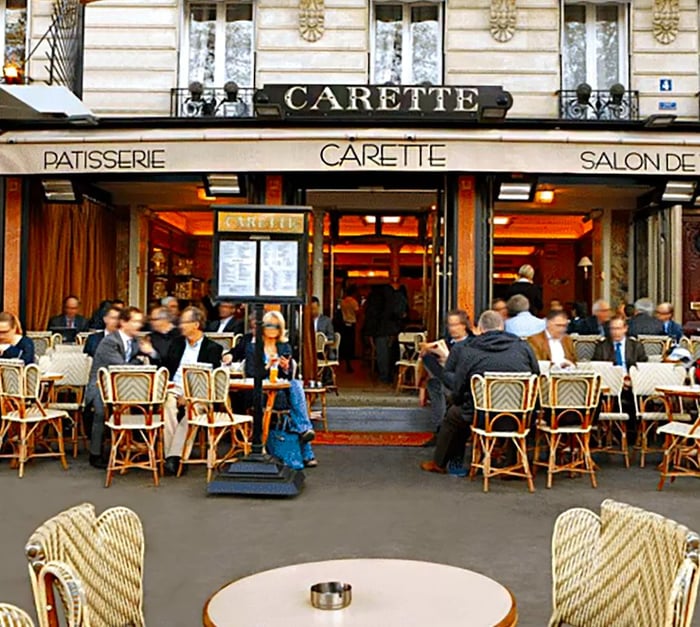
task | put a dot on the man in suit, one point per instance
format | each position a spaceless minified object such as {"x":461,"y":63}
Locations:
{"x":553,"y":344}
{"x":227,"y":322}
{"x":643,"y":321}
{"x":598,"y":323}
{"x":664,"y":314}
{"x":162,"y":329}
{"x":111,"y":324}
{"x":69,"y":319}
{"x":524,"y":285}
{"x":492,"y":350}
{"x":116,"y":349}
{"x":520,"y":320}
{"x":619,"y":348}
{"x":190,"y":348}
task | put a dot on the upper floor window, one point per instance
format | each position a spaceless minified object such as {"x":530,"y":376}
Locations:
{"x":407,"y":43}
{"x":13,"y":31}
{"x":594,"y":45}
{"x":220,"y":43}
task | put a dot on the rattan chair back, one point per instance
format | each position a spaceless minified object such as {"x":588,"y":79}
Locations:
{"x":44,"y":341}
{"x":20,"y":384}
{"x":505,"y":397}
{"x":225,"y":340}
{"x":574,"y":394}
{"x":74,"y":366}
{"x":135,"y":390}
{"x":105,"y":554}
{"x":655,"y":346}
{"x":321,"y":341}
{"x":584,"y":346}
{"x":13,"y":616}
{"x":612,"y":376}
{"x":647,"y":376}
{"x":59,"y":579}
{"x":626,"y":567}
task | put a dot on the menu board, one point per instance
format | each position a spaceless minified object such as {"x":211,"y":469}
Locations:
{"x":237,"y":265}
{"x":279,"y":261}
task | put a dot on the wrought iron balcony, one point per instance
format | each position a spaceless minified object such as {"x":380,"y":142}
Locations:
{"x":584,"y":103}
{"x":196,"y":101}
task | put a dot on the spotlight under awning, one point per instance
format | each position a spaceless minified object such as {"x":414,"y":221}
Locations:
{"x":679,"y":191}
{"x":60,"y":190}
{"x":224,"y":185}
{"x":516,"y":191}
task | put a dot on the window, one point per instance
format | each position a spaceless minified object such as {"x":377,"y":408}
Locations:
{"x":407,"y":44}
{"x":13,"y":31}
{"x":594,"y":45}
{"x":220,"y":43}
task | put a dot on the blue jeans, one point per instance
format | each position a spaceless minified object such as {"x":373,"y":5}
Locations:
{"x":438,"y":401}
{"x":299,"y":421}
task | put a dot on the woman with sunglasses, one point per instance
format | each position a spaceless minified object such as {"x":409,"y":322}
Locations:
{"x":13,"y":343}
{"x":277,"y":352}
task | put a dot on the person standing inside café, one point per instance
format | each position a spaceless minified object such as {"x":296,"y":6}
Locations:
{"x":116,"y":349}
{"x":525,"y":286}
{"x":348,"y":310}
{"x":70,"y":318}
{"x":13,"y":344}
{"x":190,"y":348}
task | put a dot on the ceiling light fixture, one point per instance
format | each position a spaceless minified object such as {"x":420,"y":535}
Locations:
{"x":224,"y":185}
{"x":512,"y":191}
{"x":678,"y":191}
{"x":60,"y":190}
{"x":501,"y":220}
{"x":385,"y":219}
{"x":545,"y":196}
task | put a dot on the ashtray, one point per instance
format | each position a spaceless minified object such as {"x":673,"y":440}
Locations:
{"x":331,"y":595}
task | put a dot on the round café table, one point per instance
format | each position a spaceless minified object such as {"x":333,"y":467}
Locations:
{"x":385,"y":592}
{"x":269,"y":389}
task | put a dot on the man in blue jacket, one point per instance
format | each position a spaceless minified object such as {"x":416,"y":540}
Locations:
{"x":664,"y":313}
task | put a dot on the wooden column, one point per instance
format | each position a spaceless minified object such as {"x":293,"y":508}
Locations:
{"x":273,"y":189}
{"x":13,"y":244}
{"x":465,"y":260}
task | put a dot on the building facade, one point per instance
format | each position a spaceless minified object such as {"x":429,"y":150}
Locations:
{"x":387,"y":119}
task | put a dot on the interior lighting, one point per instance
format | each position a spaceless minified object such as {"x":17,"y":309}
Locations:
{"x":678,"y":191}
{"x":512,"y":191}
{"x":501,"y":220}
{"x":385,"y":219}
{"x":224,"y":185}
{"x":545,"y":196}
{"x":59,"y":190}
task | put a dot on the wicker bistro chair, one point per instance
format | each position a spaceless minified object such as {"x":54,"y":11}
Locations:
{"x":23,"y":418}
{"x":324,"y":362}
{"x":611,"y":427}
{"x":226,"y":340}
{"x":69,"y":392}
{"x":44,"y":341}
{"x":134,"y":397}
{"x":98,"y":559}
{"x":624,"y":567}
{"x":584,"y":346}
{"x":410,"y":361}
{"x":13,"y":616}
{"x":503,"y":404}
{"x":208,"y":410}
{"x":651,"y":407}
{"x":568,"y":401}
{"x":681,"y":450}
{"x":655,"y":346}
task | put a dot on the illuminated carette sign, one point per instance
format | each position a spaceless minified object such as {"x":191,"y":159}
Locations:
{"x":385,"y":101}
{"x":258,"y":222}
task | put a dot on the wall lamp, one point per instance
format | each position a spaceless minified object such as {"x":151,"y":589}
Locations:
{"x":224,"y":185}
{"x":264,"y":108}
{"x":516,"y":191}
{"x":60,"y":191}
{"x":659,"y":120}
{"x":586,"y":264}
{"x":678,"y":191}
{"x":496,"y":110}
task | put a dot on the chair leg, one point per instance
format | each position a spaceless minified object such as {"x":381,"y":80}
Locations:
{"x":58,"y":425}
{"x":476,"y":450}
{"x":521,"y":446}
{"x":152,"y":440}
{"x":487,"y":448}
{"x":22,"y":447}
{"x":666,"y":462}
{"x":192,"y":431}
{"x":553,"y":441}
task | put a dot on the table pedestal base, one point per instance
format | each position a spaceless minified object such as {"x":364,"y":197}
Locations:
{"x":257,"y":475}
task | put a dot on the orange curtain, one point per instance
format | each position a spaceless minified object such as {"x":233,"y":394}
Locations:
{"x":72,"y":250}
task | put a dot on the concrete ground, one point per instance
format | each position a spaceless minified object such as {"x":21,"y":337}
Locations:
{"x":370,"y":502}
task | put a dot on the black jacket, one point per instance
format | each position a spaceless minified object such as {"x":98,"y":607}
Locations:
{"x":209,"y":353}
{"x":493,"y":351}
{"x":234,"y":325}
{"x":634,"y":352}
{"x":162,"y":341}
{"x":644,"y":324}
{"x":531,"y":291}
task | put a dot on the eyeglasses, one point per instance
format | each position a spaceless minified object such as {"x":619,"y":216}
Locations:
{"x":186,"y":321}
{"x":269,"y":325}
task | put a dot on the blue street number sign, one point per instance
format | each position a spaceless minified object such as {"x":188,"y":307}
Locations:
{"x":665,"y":84}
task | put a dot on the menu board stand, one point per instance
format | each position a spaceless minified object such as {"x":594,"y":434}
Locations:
{"x":260,"y":257}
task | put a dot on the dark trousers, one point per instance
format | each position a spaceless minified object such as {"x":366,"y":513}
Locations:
{"x":452,"y":437}
{"x":347,"y":342}
{"x":385,"y":365}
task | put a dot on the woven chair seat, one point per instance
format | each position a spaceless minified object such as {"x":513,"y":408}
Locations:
{"x":500,"y":434}
{"x":658,"y":416}
{"x":66,"y":406}
{"x":613,"y":415}
{"x":323,"y":363}
{"x":34,"y":415}
{"x":681,"y":429}
{"x":221,"y":419}
{"x":569,"y":429}
{"x":409,"y":363}
{"x":133,"y":421}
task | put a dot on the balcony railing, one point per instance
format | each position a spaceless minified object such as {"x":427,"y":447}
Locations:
{"x":196,"y":101}
{"x":598,"y":104}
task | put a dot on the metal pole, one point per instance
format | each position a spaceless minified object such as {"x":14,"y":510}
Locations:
{"x":259,"y":375}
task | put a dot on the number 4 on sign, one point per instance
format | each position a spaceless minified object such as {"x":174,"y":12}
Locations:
{"x":665,"y":84}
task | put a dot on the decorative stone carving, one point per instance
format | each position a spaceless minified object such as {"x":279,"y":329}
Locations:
{"x":503,"y":14}
{"x":666,"y":19}
{"x":311,"y":19}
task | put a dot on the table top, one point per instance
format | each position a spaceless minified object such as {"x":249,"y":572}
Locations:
{"x":386,"y":592}
{"x":51,"y":376}
{"x":691,"y":391}
{"x":248,"y":384}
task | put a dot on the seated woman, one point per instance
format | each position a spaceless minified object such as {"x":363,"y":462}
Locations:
{"x":277,"y":353}
{"x":13,"y":344}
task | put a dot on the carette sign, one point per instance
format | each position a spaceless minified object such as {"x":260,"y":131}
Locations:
{"x":385,"y":101}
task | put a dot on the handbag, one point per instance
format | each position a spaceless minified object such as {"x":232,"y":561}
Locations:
{"x":285,"y":446}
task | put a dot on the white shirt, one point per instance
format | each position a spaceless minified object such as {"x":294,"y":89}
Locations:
{"x":189,"y":357}
{"x":126,"y":341}
{"x":223,"y":323}
{"x":316,"y":325}
{"x":556,"y":350}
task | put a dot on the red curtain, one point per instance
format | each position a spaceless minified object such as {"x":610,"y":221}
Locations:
{"x":72,"y":250}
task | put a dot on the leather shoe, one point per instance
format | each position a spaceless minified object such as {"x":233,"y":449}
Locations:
{"x":307,"y":436}
{"x":431,"y":466}
{"x":431,"y":442}
{"x":97,"y":461}
{"x":310,"y":463}
{"x":172,"y":465}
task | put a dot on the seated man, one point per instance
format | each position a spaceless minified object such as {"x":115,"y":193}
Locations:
{"x":520,"y":321}
{"x":553,"y":344}
{"x":111,"y":324}
{"x":599,"y":322}
{"x":69,"y":323}
{"x":619,"y":348}
{"x":116,"y":349}
{"x":491,"y":351}
{"x":190,"y":348}
{"x":227,"y":322}
{"x":436,"y":358}
{"x":162,"y":329}
{"x":664,"y":314}
{"x":643,"y":321}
